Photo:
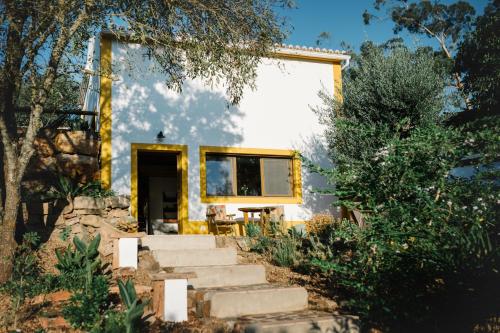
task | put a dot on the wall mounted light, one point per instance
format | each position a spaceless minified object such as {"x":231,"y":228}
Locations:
{"x":160,"y":136}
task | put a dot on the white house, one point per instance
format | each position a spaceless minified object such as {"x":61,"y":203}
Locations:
{"x":175,"y":153}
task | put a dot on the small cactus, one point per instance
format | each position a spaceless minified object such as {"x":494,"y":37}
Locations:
{"x":135,"y":307}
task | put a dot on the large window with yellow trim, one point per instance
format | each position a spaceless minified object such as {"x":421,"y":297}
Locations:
{"x":249,"y":175}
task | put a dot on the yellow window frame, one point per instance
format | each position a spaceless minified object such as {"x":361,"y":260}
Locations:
{"x":295,"y":198}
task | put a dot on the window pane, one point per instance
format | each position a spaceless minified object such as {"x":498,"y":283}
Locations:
{"x":219,"y":175}
{"x":277,"y":176}
{"x":248,"y":175}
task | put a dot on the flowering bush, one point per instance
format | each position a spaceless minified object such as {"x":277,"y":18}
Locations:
{"x":431,"y":233}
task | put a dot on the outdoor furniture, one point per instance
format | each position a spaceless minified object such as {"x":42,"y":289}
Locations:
{"x":264,"y":212}
{"x":219,"y":220}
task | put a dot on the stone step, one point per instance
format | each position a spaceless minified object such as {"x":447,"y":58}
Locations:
{"x":200,"y":257}
{"x":178,"y":242}
{"x":232,"y":302}
{"x":225,"y":276}
{"x":298,"y":322}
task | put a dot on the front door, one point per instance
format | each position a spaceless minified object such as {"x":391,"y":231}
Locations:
{"x":159,"y":197}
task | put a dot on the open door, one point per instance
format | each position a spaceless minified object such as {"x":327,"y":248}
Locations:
{"x":159,"y":197}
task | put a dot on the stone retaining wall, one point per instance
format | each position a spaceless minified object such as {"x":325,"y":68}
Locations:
{"x":73,"y":154}
{"x":91,"y":216}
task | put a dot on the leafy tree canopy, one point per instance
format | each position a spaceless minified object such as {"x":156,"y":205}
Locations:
{"x":388,"y":91}
{"x":479,"y":59}
{"x":217,"y":40}
{"x":446,"y":23}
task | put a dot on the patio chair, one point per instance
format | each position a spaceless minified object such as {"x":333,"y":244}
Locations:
{"x":219,"y":220}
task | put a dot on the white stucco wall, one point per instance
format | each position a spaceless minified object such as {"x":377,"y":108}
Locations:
{"x":276,"y":115}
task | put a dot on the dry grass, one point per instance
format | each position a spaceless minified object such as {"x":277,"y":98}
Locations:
{"x":319,"y":222}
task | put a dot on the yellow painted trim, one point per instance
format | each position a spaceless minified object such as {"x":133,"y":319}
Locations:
{"x":182,"y":163}
{"x":296,"y":198}
{"x":337,"y":81}
{"x":105,"y":111}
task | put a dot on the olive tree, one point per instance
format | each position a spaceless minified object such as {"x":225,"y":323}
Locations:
{"x":445,"y":23}
{"x":208,"y":38}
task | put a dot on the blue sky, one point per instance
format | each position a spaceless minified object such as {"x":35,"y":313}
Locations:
{"x":343,"y":20}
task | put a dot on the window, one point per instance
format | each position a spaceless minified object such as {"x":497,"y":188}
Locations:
{"x":249,"y":175}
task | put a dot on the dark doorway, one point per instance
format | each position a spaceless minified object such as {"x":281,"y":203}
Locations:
{"x":158,"y":192}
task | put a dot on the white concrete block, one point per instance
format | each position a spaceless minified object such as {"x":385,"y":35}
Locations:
{"x":175,"y":298}
{"x":127,"y":252}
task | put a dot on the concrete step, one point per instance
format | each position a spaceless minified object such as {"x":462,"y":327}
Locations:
{"x":203,"y":257}
{"x":232,"y":302}
{"x":225,"y":276}
{"x":299,"y":322}
{"x":178,"y":242}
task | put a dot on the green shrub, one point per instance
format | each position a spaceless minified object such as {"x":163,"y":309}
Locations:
{"x":86,"y":306}
{"x":27,"y":279}
{"x":112,"y":322}
{"x":67,"y":189}
{"x":82,"y":272}
{"x":431,"y":236}
{"x":134,"y":306}
{"x":253,"y":230}
{"x":261,"y":244}
{"x":79,"y":264}
{"x":284,"y":251}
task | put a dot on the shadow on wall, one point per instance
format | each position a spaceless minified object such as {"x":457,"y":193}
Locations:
{"x":143,"y":106}
{"x":314,"y":148}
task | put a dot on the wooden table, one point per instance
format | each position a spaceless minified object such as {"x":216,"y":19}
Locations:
{"x":264,"y":215}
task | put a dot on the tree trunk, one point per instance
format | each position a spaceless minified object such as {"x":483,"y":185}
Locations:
{"x":8,"y":228}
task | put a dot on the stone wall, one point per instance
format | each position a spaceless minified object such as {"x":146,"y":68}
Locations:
{"x":90,"y":216}
{"x":73,"y":154}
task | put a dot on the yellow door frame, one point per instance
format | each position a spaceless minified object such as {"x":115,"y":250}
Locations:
{"x":182,"y":168}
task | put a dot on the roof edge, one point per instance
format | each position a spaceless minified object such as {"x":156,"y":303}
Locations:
{"x":280,"y":50}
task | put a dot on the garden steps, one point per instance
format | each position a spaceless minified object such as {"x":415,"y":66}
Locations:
{"x":178,"y":242}
{"x":197,"y":257}
{"x":239,"y":293}
{"x":224,"y":275}
{"x":298,"y":322}
{"x":230,"y":302}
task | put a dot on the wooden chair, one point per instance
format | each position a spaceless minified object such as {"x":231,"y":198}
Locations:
{"x":218,"y":219}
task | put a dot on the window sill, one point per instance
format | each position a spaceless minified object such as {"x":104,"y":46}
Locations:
{"x":252,"y":200}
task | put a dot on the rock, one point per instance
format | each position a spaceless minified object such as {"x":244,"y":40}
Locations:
{"x":88,"y":203}
{"x":81,"y":212}
{"x":120,"y":201}
{"x":72,"y":221}
{"x":40,"y":163}
{"x":127,"y":219}
{"x":55,"y":297}
{"x":243,"y":244}
{"x":118,"y":213}
{"x":69,"y":215}
{"x":76,"y":142}
{"x":79,"y":167}
{"x":147,"y":262}
{"x":106,"y":248}
{"x":77,"y":229}
{"x":61,"y":221}
{"x":140,"y":290}
{"x":44,"y":147}
{"x":91,"y":220}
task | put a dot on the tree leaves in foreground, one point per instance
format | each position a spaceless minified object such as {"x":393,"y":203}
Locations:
{"x":219,"y":41}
